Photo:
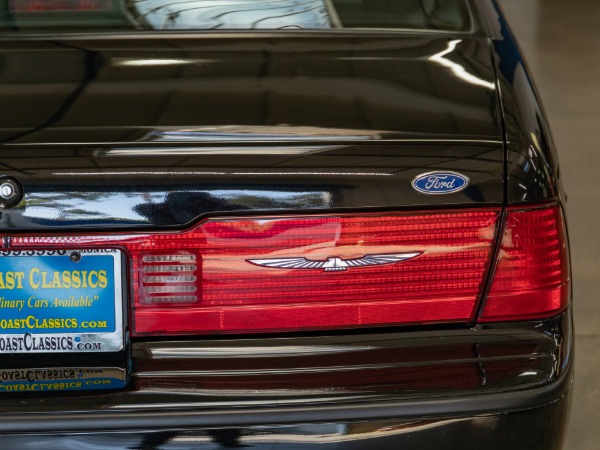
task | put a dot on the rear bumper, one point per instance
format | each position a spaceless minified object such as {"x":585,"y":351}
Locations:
{"x":541,"y":428}
{"x":161,"y":416}
{"x":498,"y":386}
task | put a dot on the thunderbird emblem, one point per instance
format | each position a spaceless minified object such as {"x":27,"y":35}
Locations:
{"x":335,"y":263}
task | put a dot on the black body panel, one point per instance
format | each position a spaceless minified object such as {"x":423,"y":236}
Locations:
{"x":397,"y":384}
{"x":159,"y":132}
{"x":533,"y":173}
{"x":521,"y":430}
{"x":397,"y":373}
{"x":83,"y":188}
{"x":200,"y":88}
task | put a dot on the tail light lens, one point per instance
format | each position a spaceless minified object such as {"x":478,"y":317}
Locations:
{"x":317,"y":272}
{"x":29,"y":6}
{"x":532,"y":275}
{"x":290,"y":273}
{"x":269,"y":274}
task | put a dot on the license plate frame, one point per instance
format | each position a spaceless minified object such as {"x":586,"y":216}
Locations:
{"x":45,"y":309}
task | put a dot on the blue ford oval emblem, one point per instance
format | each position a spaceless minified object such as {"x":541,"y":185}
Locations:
{"x":440,"y":182}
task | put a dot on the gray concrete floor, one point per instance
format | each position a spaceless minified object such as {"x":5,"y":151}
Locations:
{"x":561,"y":41}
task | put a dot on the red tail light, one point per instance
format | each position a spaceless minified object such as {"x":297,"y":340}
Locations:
{"x":291,"y":273}
{"x":300,"y":273}
{"x":532,"y":275}
{"x":28,"y":6}
{"x":273,"y":274}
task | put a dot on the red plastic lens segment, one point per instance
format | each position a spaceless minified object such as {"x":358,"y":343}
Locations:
{"x":29,"y":6}
{"x":277,"y":274}
{"x":269,"y":274}
{"x":532,"y":276}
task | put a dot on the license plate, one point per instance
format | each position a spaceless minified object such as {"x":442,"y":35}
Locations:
{"x":61,"y":301}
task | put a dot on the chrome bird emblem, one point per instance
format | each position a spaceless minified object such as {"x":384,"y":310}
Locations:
{"x":334,"y":263}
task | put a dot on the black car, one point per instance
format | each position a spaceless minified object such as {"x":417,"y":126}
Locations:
{"x":332,"y":224}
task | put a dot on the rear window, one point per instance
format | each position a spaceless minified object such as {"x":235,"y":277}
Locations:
{"x":197,"y":15}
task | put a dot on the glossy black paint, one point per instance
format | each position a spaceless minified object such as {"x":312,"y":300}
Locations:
{"x":155,"y":187}
{"x":103,"y":135}
{"x":241,"y":386}
{"x":154,"y":93}
{"x":337,"y":369}
{"x":522,"y":430}
{"x":214,"y":87}
{"x":242,"y":124}
{"x":533,"y":173}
